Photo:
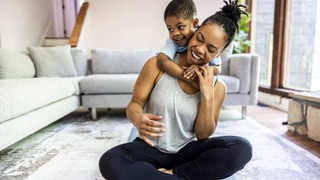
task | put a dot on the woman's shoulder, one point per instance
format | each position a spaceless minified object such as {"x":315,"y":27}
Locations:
{"x":220,"y":88}
{"x":152,"y":63}
{"x":151,"y":68}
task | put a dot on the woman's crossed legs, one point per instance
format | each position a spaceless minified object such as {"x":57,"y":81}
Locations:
{"x":212,"y":158}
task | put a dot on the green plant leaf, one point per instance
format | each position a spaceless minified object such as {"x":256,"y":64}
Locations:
{"x":247,"y":42}
{"x":240,"y":41}
{"x":242,"y":35}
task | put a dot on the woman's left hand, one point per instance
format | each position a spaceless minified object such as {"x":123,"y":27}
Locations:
{"x":206,"y":81}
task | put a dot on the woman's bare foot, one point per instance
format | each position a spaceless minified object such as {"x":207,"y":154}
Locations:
{"x":166,"y":171}
{"x":162,"y":169}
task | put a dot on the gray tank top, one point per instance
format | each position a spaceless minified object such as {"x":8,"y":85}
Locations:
{"x":178,"y":110}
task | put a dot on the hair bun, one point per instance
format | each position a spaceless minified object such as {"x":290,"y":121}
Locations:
{"x":232,"y":10}
{"x":228,"y":19}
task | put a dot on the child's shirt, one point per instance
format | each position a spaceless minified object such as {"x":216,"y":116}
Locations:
{"x":171,"y":48}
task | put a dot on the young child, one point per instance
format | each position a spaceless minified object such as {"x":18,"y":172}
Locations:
{"x":181,"y":20}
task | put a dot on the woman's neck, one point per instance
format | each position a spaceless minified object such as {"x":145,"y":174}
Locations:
{"x":183,"y":60}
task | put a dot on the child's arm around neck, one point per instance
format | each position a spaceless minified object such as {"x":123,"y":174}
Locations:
{"x":169,"y":66}
{"x":166,"y":63}
{"x":172,"y":68}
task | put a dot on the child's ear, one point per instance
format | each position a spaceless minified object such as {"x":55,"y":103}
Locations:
{"x":195,"y":22}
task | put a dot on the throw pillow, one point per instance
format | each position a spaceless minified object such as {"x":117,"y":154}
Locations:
{"x":53,"y":61}
{"x":15,"y":65}
{"x":225,"y":57}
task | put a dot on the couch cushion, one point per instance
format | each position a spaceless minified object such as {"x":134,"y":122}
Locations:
{"x":77,"y":79}
{"x":53,"y":61}
{"x":108,"y":83}
{"x":15,"y":65}
{"x":120,"y":61}
{"x":232,"y":83}
{"x":19,"y":96}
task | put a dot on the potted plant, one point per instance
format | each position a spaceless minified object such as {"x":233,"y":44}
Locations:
{"x":240,"y":41}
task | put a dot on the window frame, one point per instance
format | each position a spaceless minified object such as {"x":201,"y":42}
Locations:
{"x":280,"y":34}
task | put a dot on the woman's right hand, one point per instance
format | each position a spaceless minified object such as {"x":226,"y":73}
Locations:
{"x":149,"y":125}
{"x":206,"y":81}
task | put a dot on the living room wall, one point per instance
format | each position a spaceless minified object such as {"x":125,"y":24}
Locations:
{"x":131,"y":24}
{"x":23,"y":23}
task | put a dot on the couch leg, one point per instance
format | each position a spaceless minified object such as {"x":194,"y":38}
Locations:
{"x":244,"y":112}
{"x":94,"y":114}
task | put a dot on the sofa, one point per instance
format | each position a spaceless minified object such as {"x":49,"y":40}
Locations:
{"x":36,"y":90}
{"x":240,"y":73}
{"x":114,"y":73}
{"x":29,"y":102}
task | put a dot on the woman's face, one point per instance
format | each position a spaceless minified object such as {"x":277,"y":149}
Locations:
{"x":207,"y":43}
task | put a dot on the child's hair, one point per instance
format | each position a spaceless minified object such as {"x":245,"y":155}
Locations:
{"x":227,"y":18}
{"x":185,"y":9}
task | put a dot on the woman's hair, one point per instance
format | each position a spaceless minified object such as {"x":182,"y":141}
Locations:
{"x":227,"y":18}
{"x":185,"y":9}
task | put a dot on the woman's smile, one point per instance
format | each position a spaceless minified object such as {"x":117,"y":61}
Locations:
{"x":194,"y":57}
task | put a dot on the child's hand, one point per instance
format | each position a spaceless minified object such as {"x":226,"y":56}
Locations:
{"x":190,"y":72}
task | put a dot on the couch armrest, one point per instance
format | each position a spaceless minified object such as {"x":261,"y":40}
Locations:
{"x":245,"y":67}
{"x":255,"y":72}
{"x":240,"y":65}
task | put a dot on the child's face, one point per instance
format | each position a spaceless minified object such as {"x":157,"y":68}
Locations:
{"x":181,"y":30}
{"x":206,"y":44}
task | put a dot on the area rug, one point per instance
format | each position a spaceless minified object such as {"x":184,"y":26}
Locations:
{"x":68,"y":149}
{"x":71,"y":147}
{"x":274,"y":157}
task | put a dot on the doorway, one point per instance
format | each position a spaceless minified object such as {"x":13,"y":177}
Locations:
{"x":64,"y":17}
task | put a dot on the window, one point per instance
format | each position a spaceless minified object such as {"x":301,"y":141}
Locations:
{"x":290,"y":56}
{"x":302,"y":61}
{"x":264,"y":38}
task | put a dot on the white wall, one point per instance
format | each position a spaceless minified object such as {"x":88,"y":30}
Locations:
{"x":269,"y":100}
{"x":134,"y":24}
{"x":23,"y":23}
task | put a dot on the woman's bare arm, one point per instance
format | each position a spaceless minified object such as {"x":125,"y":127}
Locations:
{"x":146,"y":124}
{"x":211,"y":104}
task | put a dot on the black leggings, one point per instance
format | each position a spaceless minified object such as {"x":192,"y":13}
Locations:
{"x":212,"y":158}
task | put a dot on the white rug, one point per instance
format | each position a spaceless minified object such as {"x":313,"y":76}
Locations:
{"x":71,"y":147}
{"x":274,"y":157}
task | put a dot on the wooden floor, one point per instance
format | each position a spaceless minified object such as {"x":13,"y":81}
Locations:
{"x":272,"y":118}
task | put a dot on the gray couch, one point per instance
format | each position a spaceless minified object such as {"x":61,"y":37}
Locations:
{"x":27,"y":103}
{"x":114,"y":73}
{"x":240,"y":73}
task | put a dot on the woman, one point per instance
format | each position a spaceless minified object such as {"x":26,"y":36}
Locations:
{"x":176,"y":113}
